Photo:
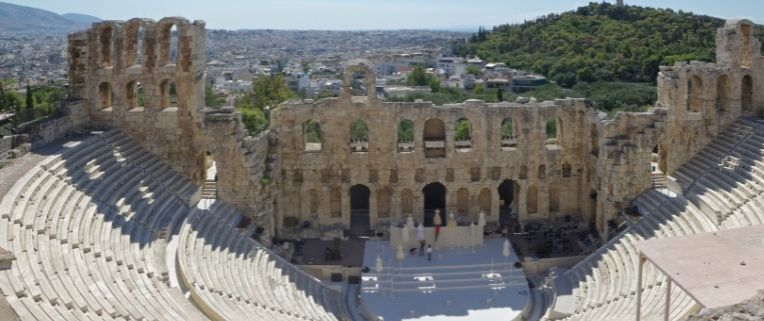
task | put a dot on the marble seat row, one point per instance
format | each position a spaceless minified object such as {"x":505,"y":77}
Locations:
{"x":234,"y":277}
{"x":88,"y":230}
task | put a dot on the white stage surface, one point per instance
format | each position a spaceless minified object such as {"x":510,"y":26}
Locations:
{"x":459,"y":284}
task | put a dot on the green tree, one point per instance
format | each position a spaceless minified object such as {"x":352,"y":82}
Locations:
{"x":462,"y":130}
{"x":359,"y":131}
{"x":418,"y":77}
{"x":405,"y":131}
{"x":211,"y":99}
{"x":473,"y":70}
{"x":29,"y":98}
{"x":267,"y":92}
{"x":500,"y":94}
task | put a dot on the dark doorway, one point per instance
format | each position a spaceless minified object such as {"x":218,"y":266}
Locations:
{"x":434,"y":198}
{"x":507,"y":196}
{"x":359,"y":210}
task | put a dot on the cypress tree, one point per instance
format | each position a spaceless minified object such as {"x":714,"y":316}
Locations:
{"x":30,"y":100}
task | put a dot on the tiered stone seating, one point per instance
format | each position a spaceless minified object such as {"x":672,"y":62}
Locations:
{"x":727,"y":176}
{"x":233,"y":277}
{"x":88,"y":231}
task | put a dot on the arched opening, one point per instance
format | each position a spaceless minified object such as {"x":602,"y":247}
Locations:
{"x":210,"y":188}
{"x":105,"y":95}
{"x":134,"y":52}
{"x":554,"y":198}
{"x":523,"y":172}
{"x":695,"y":94}
{"x":723,"y":98}
{"x":107,"y":47}
{"x":551,"y":131}
{"x":383,"y":202}
{"x":407,"y":202}
{"x":168,"y":94}
{"x":508,"y":139}
{"x":463,"y":201}
{"x":134,"y":94}
{"x":358,"y":83}
{"x":532,"y":197}
{"x":507,"y":196}
{"x":434,"y":138}
{"x":359,"y":210}
{"x":484,"y":199}
{"x":312,"y":136}
{"x":406,"y":136}
{"x":168,"y":45}
{"x":746,"y":58}
{"x":359,"y":137}
{"x":746,"y":98}
{"x":658,"y":167}
{"x":542,"y":172}
{"x":335,"y":202}
{"x":434,"y":198}
{"x":314,"y":203}
{"x":463,"y":135}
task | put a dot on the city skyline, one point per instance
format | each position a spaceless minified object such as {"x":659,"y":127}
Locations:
{"x":364,"y":15}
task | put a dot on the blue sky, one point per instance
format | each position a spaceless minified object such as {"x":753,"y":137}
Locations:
{"x":366,"y":14}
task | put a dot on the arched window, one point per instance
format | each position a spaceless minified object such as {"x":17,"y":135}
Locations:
{"x":383,"y":202}
{"x":463,"y":135}
{"x":508,"y":139}
{"x":312,"y":136}
{"x":723,"y":92}
{"x":566,"y":170}
{"x":168,"y":45}
{"x":746,"y":100}
{"x":434,"y":138}
{"x":554,"y":198}
{"x":168,"y":94}
{"x":532,"y":199}
{"x":406,"y":136}
{"x":406,"y":202}
{"x":106,"y":98}
{"x":335,"y":202}
{"x":485,"y":201}
{"x":462,"y":201}
{"x":134,"y":94}
{"x":695,"y":94}
{"x":134,"y":52}
{"x":542,"y":172}
{"x":107,"y":46}
{"x":359,"y":137}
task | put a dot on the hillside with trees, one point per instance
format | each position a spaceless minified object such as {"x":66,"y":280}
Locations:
{"x":599,"y":42}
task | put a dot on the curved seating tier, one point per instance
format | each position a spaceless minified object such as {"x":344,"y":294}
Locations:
{"x":724,"y":179}
{"x":88,"y":228}
{"x":233,"y":277}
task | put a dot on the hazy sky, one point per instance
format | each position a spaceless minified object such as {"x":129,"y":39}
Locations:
{"x":365,"y":14}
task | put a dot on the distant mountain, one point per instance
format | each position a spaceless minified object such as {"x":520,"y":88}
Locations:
{"x":82,"y":19}
{"x":21,"y":19}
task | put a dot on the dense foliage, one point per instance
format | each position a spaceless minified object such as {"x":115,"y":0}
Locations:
{"x":35,"y":103}
{"x":600,"y":42}
{"x":267,"y":92}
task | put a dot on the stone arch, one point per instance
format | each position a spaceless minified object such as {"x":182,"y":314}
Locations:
{"x":335,"y":202}
{"x":168,"y":94}
{"x":360,"y":204}
{"x":508,"y":139}
{"x":567,"y":170}
{"x":695,"y":94}
{"x":484,"y":199}
{"x":406,"y":202}
{"x":435,"y":138}
{"x":542,"y":171}
{"x":532,"y":196}
{"x":507,"y":190}
{"x":134,"y":42}
{"x":383,"y":202}
{"x":723,"y":93}
{"x":554,"y":198}
{"x":312,"y":136}
{"x":463,"y":201}
{"x":351,"y":77}
{"x":746,"y":92}
{"x":434,"y":198}
{"x":169,"y":46}
{"x":106,"y":43}
{"x":105,"y":96}
{"x":746,"y":54}
{"x":134,"y":94}
{"x":463,"y":135}
{"x":406,"y":136}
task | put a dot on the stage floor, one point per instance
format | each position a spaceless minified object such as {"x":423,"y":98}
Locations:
{"x":458,"y":284}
